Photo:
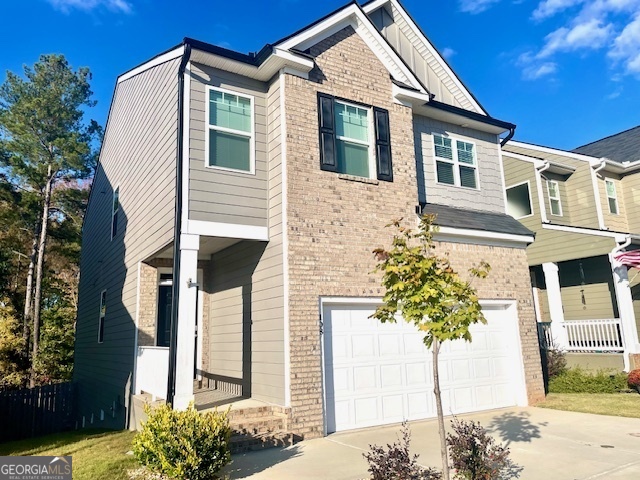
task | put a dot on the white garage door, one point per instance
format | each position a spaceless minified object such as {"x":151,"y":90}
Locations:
{"x":382,"y":373}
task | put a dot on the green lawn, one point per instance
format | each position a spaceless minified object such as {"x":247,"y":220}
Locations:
{"x":97,"y":454}
{"x":617,"y":404}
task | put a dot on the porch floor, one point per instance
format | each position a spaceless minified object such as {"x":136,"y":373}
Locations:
{"x":210,"y":399}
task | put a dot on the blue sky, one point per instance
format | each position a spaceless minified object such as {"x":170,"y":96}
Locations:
{"x":567,"y":72}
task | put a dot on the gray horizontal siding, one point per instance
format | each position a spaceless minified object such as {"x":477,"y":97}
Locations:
{"x":224,"y":196}
{"x":489,"y":197}
{"x":138,"y":155}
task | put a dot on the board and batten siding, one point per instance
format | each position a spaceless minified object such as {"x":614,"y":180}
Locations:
{"x":247,"y":301}
{"x":427,"y":67}
{"x":219,"y":195}
{"x":490,"y":194}
{"x":138,"y":156}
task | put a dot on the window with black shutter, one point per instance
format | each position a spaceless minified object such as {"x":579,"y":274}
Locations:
{"x":354,"y":139}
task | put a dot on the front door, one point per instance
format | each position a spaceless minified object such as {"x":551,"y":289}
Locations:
{"x":165,"y":292}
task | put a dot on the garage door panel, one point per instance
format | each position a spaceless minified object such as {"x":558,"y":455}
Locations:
{"x":382,"y":373}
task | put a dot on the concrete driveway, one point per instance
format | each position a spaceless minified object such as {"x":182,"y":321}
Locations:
{"x":548,"y":444}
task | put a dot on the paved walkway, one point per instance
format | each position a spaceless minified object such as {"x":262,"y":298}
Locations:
{"x":548,"y":444}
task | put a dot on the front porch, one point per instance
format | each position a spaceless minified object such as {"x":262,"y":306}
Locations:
{"x":220,"y":318}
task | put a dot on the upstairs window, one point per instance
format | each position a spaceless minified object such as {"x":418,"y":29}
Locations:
{"x":230,"y":139}
{"x":354,"y":139}
{"x":519,"y":201}
{"x":455,"y":162}
{"x":554,"y":197}
{"x":612,"y":197}
{"x":115,"y":208}
{"x":103,"y":314}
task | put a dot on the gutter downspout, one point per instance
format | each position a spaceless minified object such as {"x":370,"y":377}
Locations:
{"x":512,"y":132}
{"x":177,"y":229}
{"x":541,"y":202}
{"x":596,"y":191}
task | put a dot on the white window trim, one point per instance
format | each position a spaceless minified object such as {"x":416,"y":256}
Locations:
{"x":456,"y":164}
{"x":554,"y":198}
{"x":530,"y":199}
{"x":100,"y":317}
{"x":614,"y":197}
{"x":113,"y":212}
{"x":209,"y":127}
{"x":372,"y":139}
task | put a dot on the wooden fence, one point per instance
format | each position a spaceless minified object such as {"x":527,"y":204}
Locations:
{"x":32,"y":412}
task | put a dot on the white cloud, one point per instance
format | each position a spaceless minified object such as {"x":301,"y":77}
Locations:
{"x":626,"y":46}
{"x":589,"y":25}
{"x":448,"y":52}
{"x":548,"y":8}
{"x":533,"y":68}
{"x":66,"y":6}
{"x":589,"y":35}
{"x":476,"y":6}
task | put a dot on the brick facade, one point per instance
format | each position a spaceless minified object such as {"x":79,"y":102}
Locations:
{"x":335,"y":222}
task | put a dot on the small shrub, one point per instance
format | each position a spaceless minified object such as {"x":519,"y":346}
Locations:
{"x":577,"y":380}
{"x":184,"y":445}
{"x":556,"y":362}
{"x":633,"y":380}
{"x":396,"y":463}
{"x":475,"y":455}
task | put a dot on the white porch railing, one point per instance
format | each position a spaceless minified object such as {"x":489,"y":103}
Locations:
{"x":152,"y":371}
{"x":601,"y":335}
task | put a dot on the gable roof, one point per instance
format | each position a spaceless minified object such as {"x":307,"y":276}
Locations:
{"x":353,"y":15}
{"x":620,"y":147}
{"x":428,"y":51}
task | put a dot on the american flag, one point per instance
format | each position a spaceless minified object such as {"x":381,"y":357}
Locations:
{"x":629,"y":259}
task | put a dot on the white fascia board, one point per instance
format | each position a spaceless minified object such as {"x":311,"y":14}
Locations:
{"x":399,"y":10}
{"x":553,"y":151}
{"x":444,"y":232}
{"x":294,"y":60}
{"x":589,"y":231}
{"x":227,"y":230}
{"x":353,"y":16}
{"x":160,"y":59}
{"x":404,"y":95}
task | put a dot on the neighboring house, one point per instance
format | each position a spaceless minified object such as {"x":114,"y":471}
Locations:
{"x":242,"y":195}
{"x":584,"y":206}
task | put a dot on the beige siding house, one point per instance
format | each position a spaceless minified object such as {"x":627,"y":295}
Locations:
{"x":240,"y":272}
{"x":582,"y":208}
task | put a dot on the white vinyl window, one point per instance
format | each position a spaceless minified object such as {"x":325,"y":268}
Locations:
{"x":519,"y":201}
{"x":554,"y":197}
{"x":230,"y":142}
{"x":353,"y":139}
{"x":103,"y":314}
{"x":455,"y":162}
{"x":115,"y":208}
{"x":612,"y":197}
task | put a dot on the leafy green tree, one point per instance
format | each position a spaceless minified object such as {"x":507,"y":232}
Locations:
{"x":427,"y":292}
{"x":12,"y":369}
{"x":44,"y":142}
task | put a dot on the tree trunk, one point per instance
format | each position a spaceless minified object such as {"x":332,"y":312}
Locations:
{"x":39,"y":273}
{"x":28,"y":307}
{"x":441,"y":431}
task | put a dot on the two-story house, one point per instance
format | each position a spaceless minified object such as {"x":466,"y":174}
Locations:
{"x":583,"y":206}
{"x":227,"y":251}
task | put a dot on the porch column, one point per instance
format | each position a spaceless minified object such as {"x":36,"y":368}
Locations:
{"x":187,"y":301}
{"x":625,"y":310}
{"x":558,"y":329}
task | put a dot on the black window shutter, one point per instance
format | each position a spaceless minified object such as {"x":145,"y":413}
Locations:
{"x":383,"y":144}
{"x":328,"y":160}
